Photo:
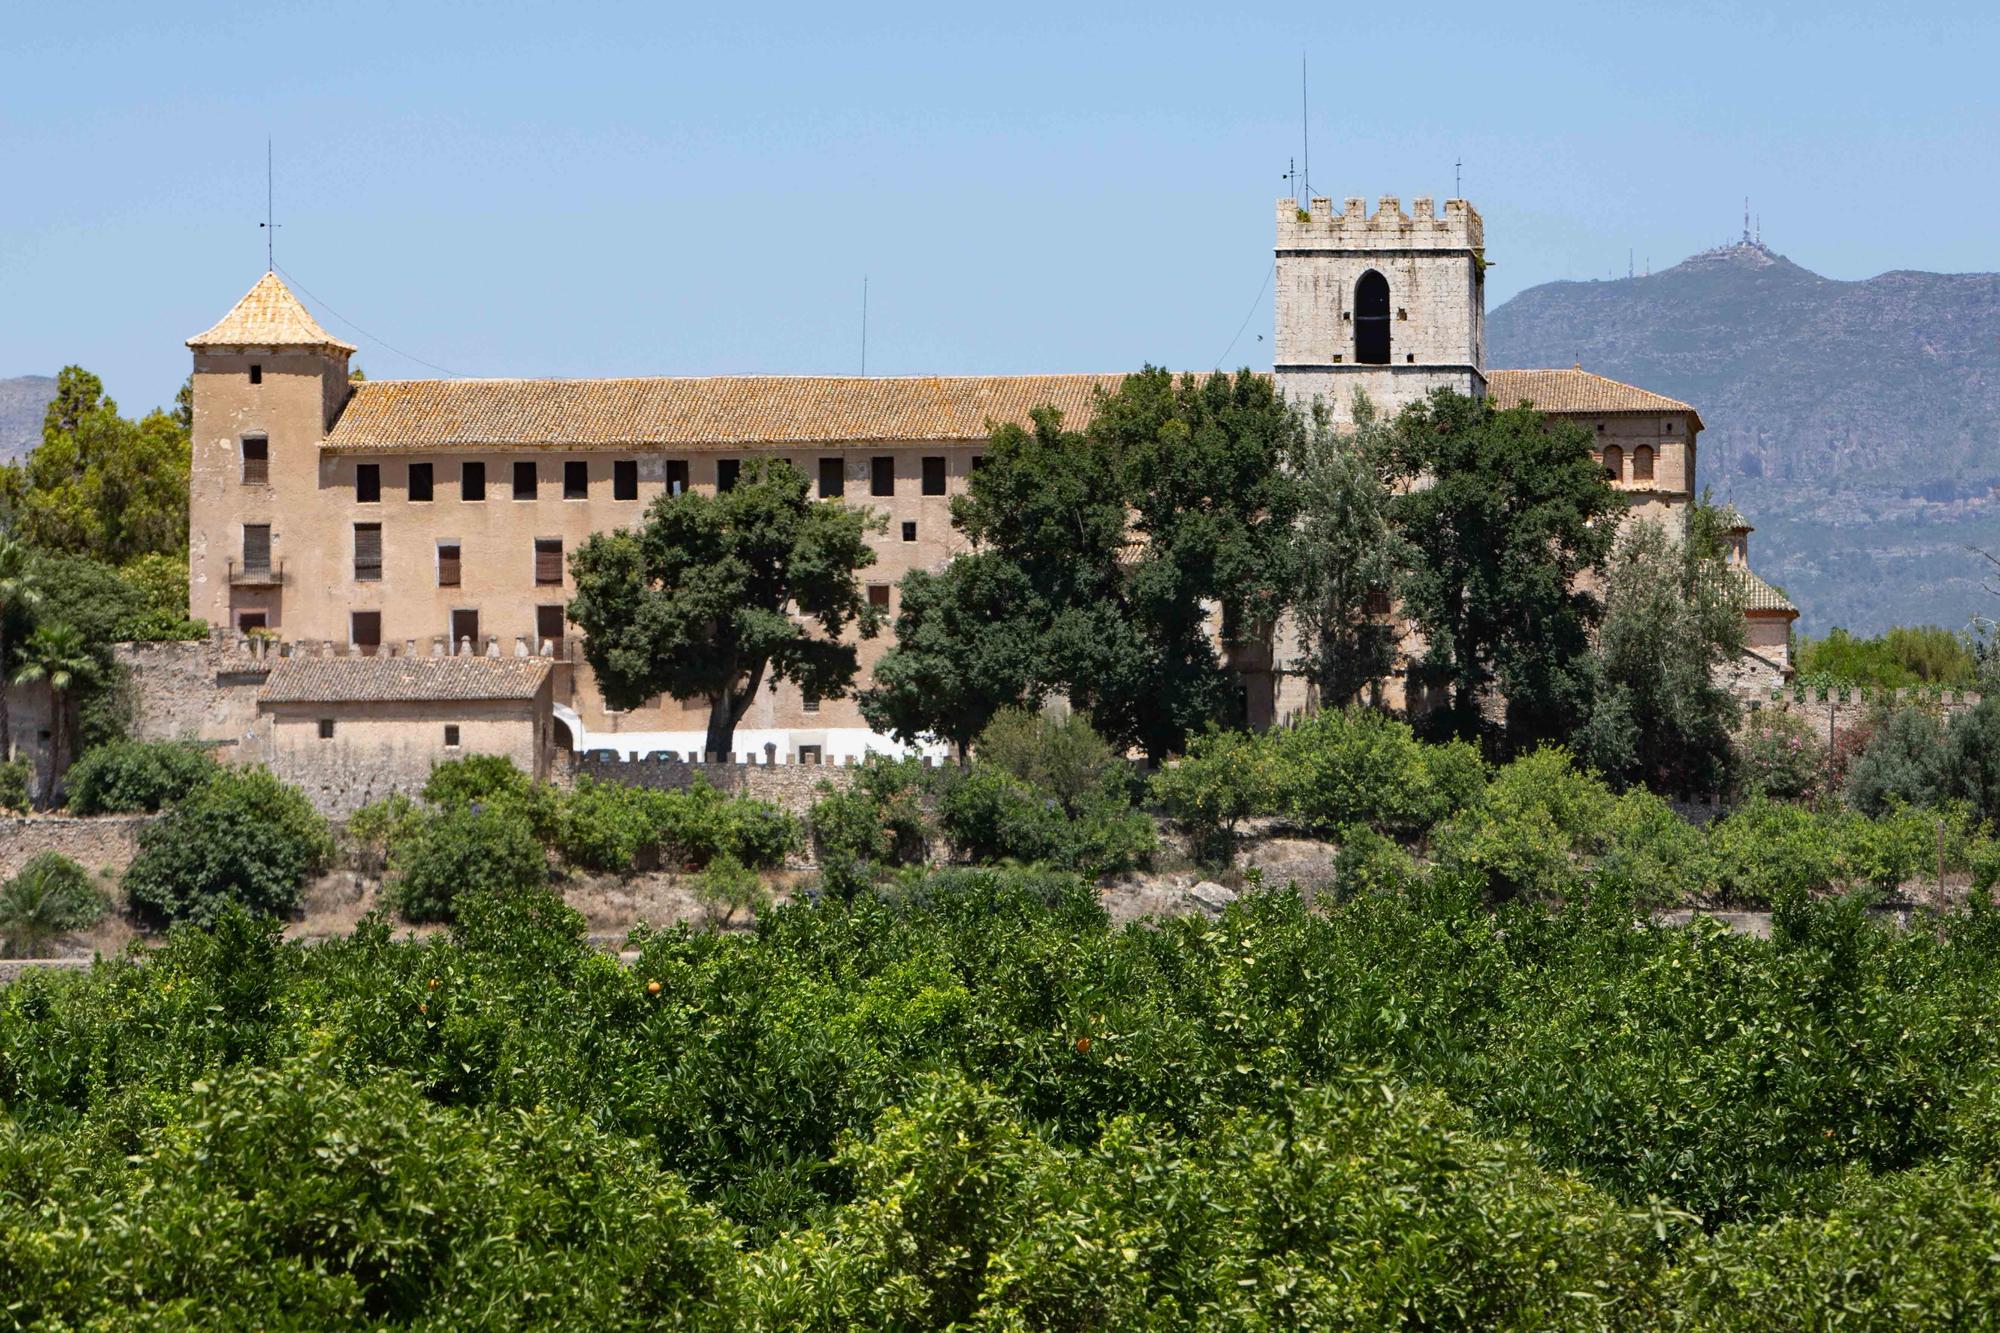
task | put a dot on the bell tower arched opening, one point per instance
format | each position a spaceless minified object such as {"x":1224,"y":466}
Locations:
{"x":1371,"y":319}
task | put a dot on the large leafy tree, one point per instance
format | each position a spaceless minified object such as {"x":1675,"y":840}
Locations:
{"x":1349,"y":555}
{"x":99,"y":484}
{"x":1673,"y":617}
{"x":714,"y":596}
{"x":1506,"y":512}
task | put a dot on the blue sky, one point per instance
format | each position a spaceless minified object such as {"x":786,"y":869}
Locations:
{"x":596,"y":189}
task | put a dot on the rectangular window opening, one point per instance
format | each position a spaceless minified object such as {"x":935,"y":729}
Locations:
{"x":420,"y":482}
{"x":364,"y":632}
{"x":326,"y":728}
{"x":548,"y":560}
{"x":882,"y":475}
{"x":465,"y":631}
{"x":549,"y":628}
{"x":525,"y":480}
{"x":909,"y":532}
{"x":677,"y":476}
{"x":451,"y":735}
{"x":367,"y":483}
{"x":256,"y":460}
{"x":256,"y":548}
{"x":812,"y":703}
{"x":933,"y":476}
{"x":727,"y":471}
{"x":878,"y":595}
{"x":448,"y":564}
{"x":832,"y":478}
{"x":367,"y":552}
{"x":809,"y":754}
{"x":249,"y":620}
{"x":625,"y":479}
{"x":472,"y":481}
{"x":576,"y":480}
{"x":256,"y":373}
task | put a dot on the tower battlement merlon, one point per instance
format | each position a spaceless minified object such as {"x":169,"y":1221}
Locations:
{"x":1318,"y":227}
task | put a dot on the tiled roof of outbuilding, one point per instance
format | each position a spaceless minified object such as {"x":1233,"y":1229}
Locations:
{"x":337,"y":680}
{"x":1576,"y":392}
{"x":714,"y":410}
{"x":268,"y":316}
{"x":1761,"y":596}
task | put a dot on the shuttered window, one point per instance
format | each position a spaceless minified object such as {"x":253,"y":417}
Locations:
{"x":625,"y":479}
{"x":933,"y":476}
{"x":882,"y":475}
{"x":256,"y":460}
{"x":1642,"y":464}
{"x":256,"y":548}
{"x":548,"y":560}
{"x":367,"y":552}
{"x":878,"y":595}
{"x":420,"y":481}
{"x":447,"y":564}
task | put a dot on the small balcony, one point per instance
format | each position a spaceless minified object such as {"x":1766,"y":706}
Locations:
{"x":269,"y":574}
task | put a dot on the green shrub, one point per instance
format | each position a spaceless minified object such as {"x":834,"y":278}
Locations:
{"x":1779,"y":755}
{"x":1064,"y":757}
{"x":1370,"y":862}
{"x":17,"y":777}
{"x":241,"y":837}
{"x":1972,"y":758}
{"x":727,"y":887}
{"x":1660,"y":858}
{"x":376,"y":829}
{"x":126,"y":777}
{"x":458,"y":851}
{"x":1765,"y":849}
{"x":1529,"y":830}
{"x":476,"y":777}
{"x":607,"y":827}
{"x":876,"y":823}
{"x":1904,"y":761}
{"x":1225,"y":778}
{"x":1361,"y":767}
{"x":990,"y":815}
{"x":51,"y":897}
{"x":700,"y":823}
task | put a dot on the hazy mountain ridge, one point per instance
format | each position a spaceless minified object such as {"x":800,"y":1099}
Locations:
{"x":23,"y":400}
{"x":1856,"y":423}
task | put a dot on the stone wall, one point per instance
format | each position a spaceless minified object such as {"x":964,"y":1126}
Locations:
{"x":1834,"y":713}
{"x":205,"y":690}
{"x":99,"y":842}
{"x":792,"y":787}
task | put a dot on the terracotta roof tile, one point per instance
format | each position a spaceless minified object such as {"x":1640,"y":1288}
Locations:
{"x":715,"y":411}
{"x":1759,"y":595}
{"x":332,"y":680}
{"x":268,"y":316}
{"x":1576,"y":392}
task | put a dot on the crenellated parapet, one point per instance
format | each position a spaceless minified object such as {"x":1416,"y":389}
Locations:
{"x":1319,"y":227}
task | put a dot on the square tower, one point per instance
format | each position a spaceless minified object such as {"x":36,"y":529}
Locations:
{"x":1392,"y":305}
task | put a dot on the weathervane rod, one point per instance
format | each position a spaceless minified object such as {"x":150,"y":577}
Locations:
{"x":269,"y":224}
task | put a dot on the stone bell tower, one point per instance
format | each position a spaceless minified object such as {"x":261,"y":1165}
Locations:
{"x":1392,"y":305}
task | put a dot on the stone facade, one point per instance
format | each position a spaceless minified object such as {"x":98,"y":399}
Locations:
{"x":1436,"y":306}
{"x":99,"y":842}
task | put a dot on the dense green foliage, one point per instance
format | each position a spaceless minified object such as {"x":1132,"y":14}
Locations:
{"x":970,"y":1102}
{"x":51,"y":896}
{"x":1905,"y":656}
{"x":457,"y":850}
{"x":126,"y":777}
{"x":715,"y":597}
{"x":243,"y":839}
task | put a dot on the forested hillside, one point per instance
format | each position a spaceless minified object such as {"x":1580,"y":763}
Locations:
{"x":1856,"y":423}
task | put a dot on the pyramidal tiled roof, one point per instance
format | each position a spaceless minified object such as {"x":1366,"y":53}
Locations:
{"x":1759,"y":595}
{"x":268,"y":316}
{"x":716,"y":410}
{"x":1575,"y":391}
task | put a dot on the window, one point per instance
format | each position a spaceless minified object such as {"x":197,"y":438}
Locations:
{"x":1614,"y":462}
{"x":625,"y":479}
{"x":933,"y":476}
{"x":249,"y":620}
{"x":1642,"y":464}
{"x":451,"y":735}
{"x":364,"y":632}
{"x":256,"y":548}
{"x":548,"y":560}
{"x":549,"y":628}
{"x":524,"y":480}
{"x":1371,"y":319}
{"x":909,"y":532}
{"x":809,"y":754}
{"x":472,"y":481}
{"x":727,"y":470}
{"x":256,"y":460}
{"x":465,"y":631}
{"x":326,"y":728}
{"x":1668,"y":426}
{"x":812,"y":703}
{"x":979,"y":460}
{"x":1376,"y":602}
{"x":448,"y":564}
{"x":420,"y":482}
{"x":882,"y":475}
{"x":832,"y":478}
{"x":367,"y":552}
{"x":256,"y":373}
{"x":367,"y":482}
{"x":677,"y":476}
{"x":878,"y":595}
{"x":576,"y":480}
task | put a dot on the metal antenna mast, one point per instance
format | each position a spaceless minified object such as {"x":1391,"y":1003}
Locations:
{"x":269,"y":225}
{"x":1457,"y":179}
{"x":1305,"y":129}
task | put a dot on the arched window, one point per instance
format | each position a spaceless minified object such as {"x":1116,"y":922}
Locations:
{"x":1642,"y":463}
{"x":1371,"y":319}
{"x":1614,"y":462}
